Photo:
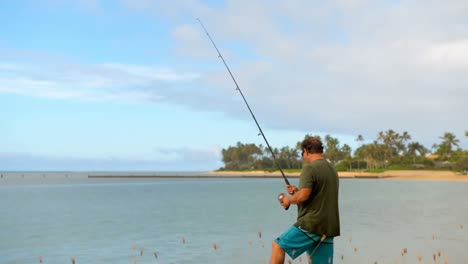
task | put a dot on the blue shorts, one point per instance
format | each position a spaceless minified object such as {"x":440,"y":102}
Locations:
{"x":296,"y":241}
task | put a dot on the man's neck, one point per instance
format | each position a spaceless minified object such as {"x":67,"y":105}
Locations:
{"x":314,"y":156}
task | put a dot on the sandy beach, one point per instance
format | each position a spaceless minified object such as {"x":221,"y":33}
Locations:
{"x":394,"y":174}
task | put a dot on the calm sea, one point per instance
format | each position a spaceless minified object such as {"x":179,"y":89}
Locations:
{"x":62,"y":215}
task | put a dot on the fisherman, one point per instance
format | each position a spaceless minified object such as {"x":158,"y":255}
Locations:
{"x":318,"y":219}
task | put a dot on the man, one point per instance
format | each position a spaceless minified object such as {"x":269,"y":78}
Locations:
{"x":318,"y":219}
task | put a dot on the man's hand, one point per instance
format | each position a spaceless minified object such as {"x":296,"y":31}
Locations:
{"x":284,"y":200}
{"x":291,"y":189}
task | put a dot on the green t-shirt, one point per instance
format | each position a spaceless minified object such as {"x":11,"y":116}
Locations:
{"x":319,"y":214}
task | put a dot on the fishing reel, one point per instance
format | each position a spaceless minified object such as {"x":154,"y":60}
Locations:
{"x":280,"y":199}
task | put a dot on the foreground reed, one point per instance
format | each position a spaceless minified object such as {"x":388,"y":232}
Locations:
{"x":437,"y":256}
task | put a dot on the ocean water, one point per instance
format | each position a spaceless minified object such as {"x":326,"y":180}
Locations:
{"x":58,"y":217}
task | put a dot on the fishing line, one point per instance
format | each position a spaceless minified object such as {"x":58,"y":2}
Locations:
{"x":245,"y":101}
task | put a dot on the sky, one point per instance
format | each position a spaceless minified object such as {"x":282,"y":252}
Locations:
{"x":136,"y":84}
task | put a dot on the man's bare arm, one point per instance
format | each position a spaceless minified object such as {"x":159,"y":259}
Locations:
{"x":300,"y":196}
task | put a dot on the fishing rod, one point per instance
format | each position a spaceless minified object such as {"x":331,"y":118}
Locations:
{"x":243,"y":97}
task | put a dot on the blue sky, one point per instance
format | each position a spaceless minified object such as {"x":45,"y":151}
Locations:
{"x":136,"y":85}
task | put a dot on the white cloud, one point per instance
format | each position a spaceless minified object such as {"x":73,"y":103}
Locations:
{"x":99,"y":82}
{"x":176,"y":159}
{"x":341,"y":66}
{"x":148,"y":73}
{"x":450,"y":55}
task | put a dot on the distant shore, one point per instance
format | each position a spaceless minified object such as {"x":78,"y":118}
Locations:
{"x":426,"y":175}
{"x":392,"y":174}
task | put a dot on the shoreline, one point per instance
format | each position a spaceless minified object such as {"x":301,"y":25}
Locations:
{"x":392,"y":174}
{"x":419,"y":175}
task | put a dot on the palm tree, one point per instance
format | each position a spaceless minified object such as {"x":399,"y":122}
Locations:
{"x":375,"y":155}
{"x":332,"y":149}
{"x":414,"y":148}
{"x":448,"y":141}
{"x":389,"y":140}
{"x":289,"y":157}
{"x":405,"y":137}
{"x":381,"y":137}
{"x":346,"y":150}
{"x":434,"y":147}
{"x":360,"y":139}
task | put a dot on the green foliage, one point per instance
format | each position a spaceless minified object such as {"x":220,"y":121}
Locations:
{"x":389,"y":151}
{"x":462,"y":164}
{"x":332,"y":149}
{"x":342,"y":166}
{"x":358,"y":164}
{"x":445,"y":149}
{"x":428,"y":163}
{"x":251,"y":157}
{"x":398,"y":167}
{"x":241,"y":157}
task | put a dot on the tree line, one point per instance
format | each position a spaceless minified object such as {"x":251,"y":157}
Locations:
{"x":389,"y":150}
